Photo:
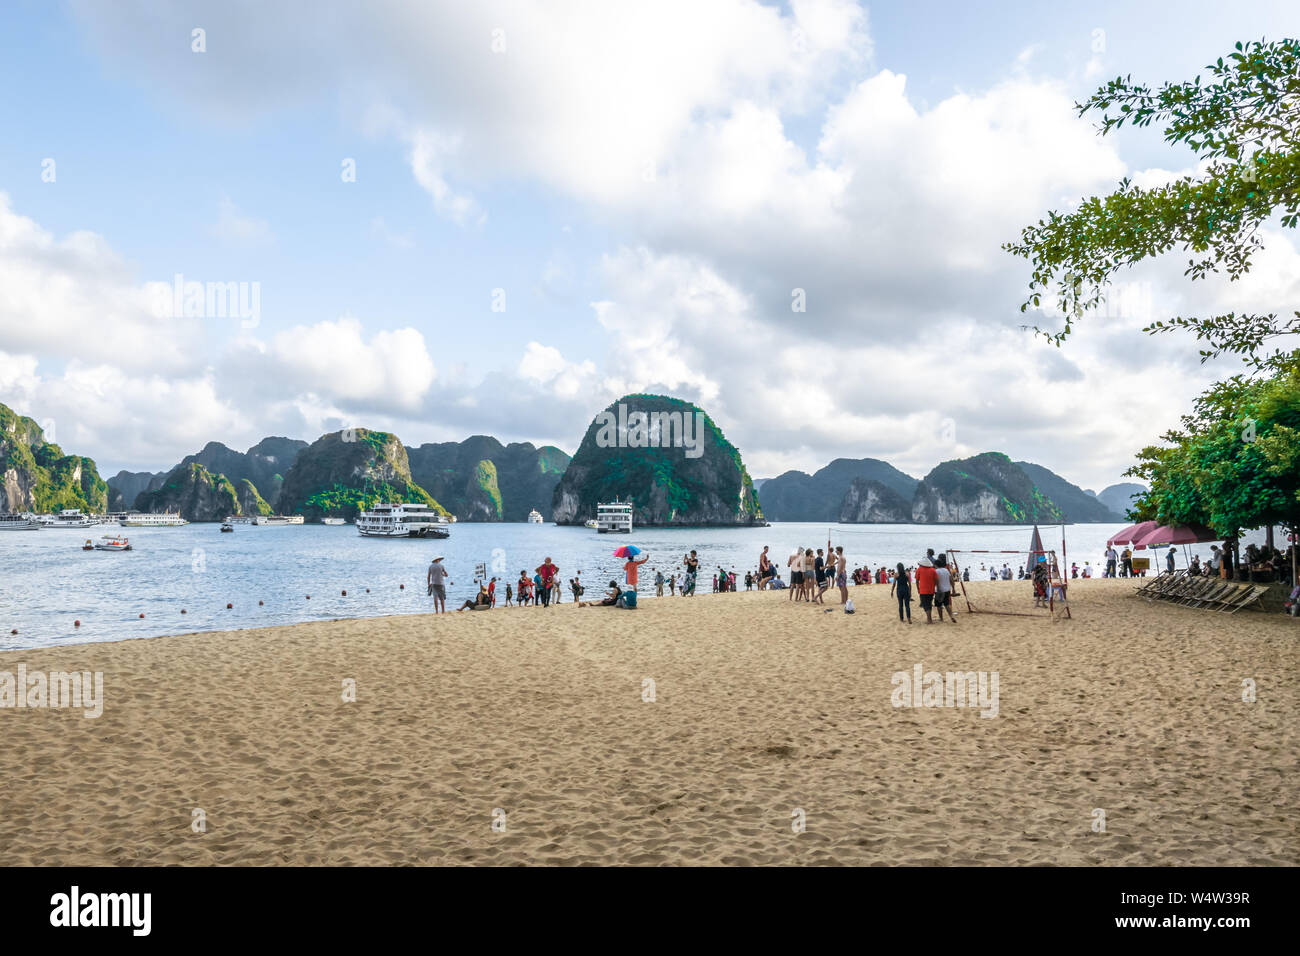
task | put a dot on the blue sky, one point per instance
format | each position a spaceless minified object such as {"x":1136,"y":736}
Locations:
{"x":647,"y":187}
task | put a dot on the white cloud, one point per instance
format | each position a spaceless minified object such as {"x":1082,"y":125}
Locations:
{"x":233,"y":226}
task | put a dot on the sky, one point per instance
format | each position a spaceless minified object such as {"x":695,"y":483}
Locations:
{"x":444,"y":219}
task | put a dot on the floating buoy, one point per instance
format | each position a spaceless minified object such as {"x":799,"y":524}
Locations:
{"x":142,"y":615}
{"x":76,"y":624}
{"x":259,"y":603}
{"x":14,"y":631}
{"x":182,"y":610}
{"x":402,"y":586}
{"x":367,"y":590}
{"x":308,"y":597}
{"x":345,"y":593}
{"x":229,"y":605}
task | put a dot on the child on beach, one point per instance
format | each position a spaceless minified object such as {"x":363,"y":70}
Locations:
{"x":903,"y":588}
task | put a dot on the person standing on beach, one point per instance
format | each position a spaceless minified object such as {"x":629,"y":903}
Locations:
{"x":659,"y":583}
{"x":692,"y":571}
{"x":509,"y":595}
{"x":1111,"y":558}
{"x":795,"y":564}
{"x":926,"y":581}
{"x":546,"y":572}
{"x":492,"y":592}
{"x":841,"y":574}
{"x":903,"y":588}
{"x":438,"y":585}
{"x":631,"y":567}
{"x":1169,"y":560}
{"x":943,"y":588}
{"x":1126,"y":562}
{"x":764,"y":564}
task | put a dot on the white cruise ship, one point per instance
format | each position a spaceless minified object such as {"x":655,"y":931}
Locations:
{"x":277,"y":519}
{"x":138,"y":519}
{"x":534,"y":517}
{"x":10,"y":522}
{"x":402,"y":520}
{"x":69,"y":518}
{"x":332,"y":521}
{"x":614,"y":517}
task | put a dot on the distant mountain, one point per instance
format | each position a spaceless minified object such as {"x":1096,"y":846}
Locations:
{"x":984,"y":489}
{"x":35,"y":475}
{"x":344,"y":472}
{"x":798,"y":496}
{"x":1076,"y":504}
{"x":668,"y":484}
{"x":264,"y":464}
{"x":126,"y":486}
{"x":479,"y":479}
{"x":1118,"y":498}
{"x":871,"y":501}
{"x":192,"y":491}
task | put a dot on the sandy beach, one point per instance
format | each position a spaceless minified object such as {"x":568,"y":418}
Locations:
{"x":761,"y":709}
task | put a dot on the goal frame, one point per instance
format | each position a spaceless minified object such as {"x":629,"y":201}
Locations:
{"x":1056,"y":583}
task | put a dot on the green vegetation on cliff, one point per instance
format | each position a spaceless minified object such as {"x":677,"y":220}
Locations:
{"x":35,"y":475}
{"x":702,"y":481}
{"x":345,"y":472}
{"x":194,"y":492}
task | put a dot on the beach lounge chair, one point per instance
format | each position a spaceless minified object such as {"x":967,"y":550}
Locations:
{"x":1248,"y":594}
{"x":1211,"y":597}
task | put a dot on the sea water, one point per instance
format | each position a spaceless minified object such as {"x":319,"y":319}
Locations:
{"x":47,"y":582}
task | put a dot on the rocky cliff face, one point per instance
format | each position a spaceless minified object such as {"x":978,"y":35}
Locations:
{"x":344,"y":472}
{"x":263,"y":465}
{"x":194,"y":492}
{"x":125,"y":487}
{"x":1119,"y":498}
{"x":250,"y":502}
{"x":870,"y":501}
{"x":797,"y":496}
{"x":482,"y":495}
{"x":1076,"y":505}
{"x":675,"y":466}
{"x":525,"y":477}
{"x":35,"y":475}
{"x":986,"y":489}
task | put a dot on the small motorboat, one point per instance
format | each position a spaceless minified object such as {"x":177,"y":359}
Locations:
{"x":112,"y":542}
{"x":88,"y":546}
{"x":227,"y":526}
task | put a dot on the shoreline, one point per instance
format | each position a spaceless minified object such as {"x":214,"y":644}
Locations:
{"x":761,"y":708}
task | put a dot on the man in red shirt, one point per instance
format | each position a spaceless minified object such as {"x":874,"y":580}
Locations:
{"x":630,"y":569}
{"x":926,"y":580}
{"x":547,"y":573}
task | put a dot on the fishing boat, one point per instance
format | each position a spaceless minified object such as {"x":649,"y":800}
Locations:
{"x":227,"y":527}
{"x":112,"y":542}
{"x":534,"y":517}
{"x":402,"y":520}
{"x":614,"y":517}
{"x":17,"y":522}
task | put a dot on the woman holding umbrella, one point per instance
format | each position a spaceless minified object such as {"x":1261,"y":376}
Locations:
{"x":631,"y":564}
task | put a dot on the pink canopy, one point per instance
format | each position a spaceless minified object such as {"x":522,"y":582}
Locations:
{"x":1166,"y":535}
{"x":1131,"y":534}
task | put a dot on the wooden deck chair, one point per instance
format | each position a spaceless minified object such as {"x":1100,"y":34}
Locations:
{"x":1191,"y":591}
{"x":1250,"y":594}
{"x":1212,"y":595}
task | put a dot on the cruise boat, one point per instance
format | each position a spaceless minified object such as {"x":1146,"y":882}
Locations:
{"x":534,"y":517}
{"x":238,"y":519}
{"x":402,"y":520}
{"x":332,"y":521}
{"x":137,"y":519}
{"x":68,"y":518}
{"x":15,"y":522}
{"x":112,"y":542}
{"x":614,"y":517}
{"x":277,"y":519}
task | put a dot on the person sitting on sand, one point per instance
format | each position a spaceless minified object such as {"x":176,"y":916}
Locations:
{"x":611,"y":597}
{"x":481,"y":602}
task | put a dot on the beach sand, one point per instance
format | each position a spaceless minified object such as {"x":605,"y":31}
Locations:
{"x":762,"y":709}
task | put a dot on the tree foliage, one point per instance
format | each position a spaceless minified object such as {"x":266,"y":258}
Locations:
{"x":1243,"y":123}
{"x":1235,"y":464}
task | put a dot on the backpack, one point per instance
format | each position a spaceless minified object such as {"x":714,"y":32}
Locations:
{"x":627,"y":599}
